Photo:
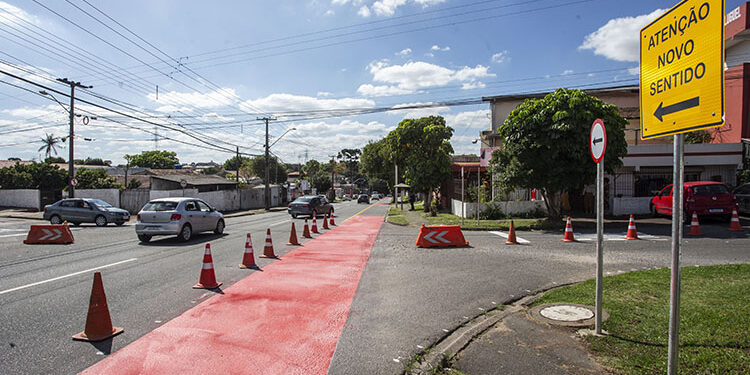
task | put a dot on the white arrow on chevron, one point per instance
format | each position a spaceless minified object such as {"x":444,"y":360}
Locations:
{"x":50,"y":234}
{"x":439,"y":236}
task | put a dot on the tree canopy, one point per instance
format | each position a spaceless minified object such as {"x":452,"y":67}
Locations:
{"x":95,"y":178}
{"x":421,"y":148}
{"x":376,"y":164}
{"x":33,"y":176}
{"x":154,"y":159}
{"x":546,"y":144}
{"x":257,"y":167}
{"x":234,"y":162}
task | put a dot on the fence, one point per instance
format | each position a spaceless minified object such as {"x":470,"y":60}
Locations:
{"x":21,"y":198}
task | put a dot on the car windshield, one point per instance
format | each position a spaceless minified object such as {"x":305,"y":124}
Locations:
{"x":303,"y":199}
{"x":709,"y":189}
{"x":160,"y":206}
{"x":99,"y":203}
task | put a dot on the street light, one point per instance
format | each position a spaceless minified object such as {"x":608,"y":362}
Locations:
{"x":277,"y":139}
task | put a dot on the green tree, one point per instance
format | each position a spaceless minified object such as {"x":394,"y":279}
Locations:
{"x":312,"y":167}
{"x":50,"y":143}
{"x":33,"y":176}
{"x":95,"y":178}
{"x":350,"y":157}
{"x":321,"y":181}
{"x":376,"y":164}
{"x":421,"y":148}
{"x":235,"y":161}
{"x":153,"y":159}
{"x":257,"y":167}
{"x":546,"y":144}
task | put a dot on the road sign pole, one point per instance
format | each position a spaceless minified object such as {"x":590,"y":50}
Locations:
{"x":599,"y":243}
{"x":677,"y":217}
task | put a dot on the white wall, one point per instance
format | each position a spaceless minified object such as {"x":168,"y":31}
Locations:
{"x":111,"y":196}
{"x":508,"y":207}
{"x":155,"y":194}
{"x":630,"y":206}
{"x":23,"y":198}
{"x":222,"y":200}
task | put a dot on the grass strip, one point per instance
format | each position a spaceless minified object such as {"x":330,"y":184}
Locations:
{"x":714,"y":319}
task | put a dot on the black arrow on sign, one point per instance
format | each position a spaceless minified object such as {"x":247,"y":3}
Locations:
{"x":674,"y":108}
{"x":597,"y":140}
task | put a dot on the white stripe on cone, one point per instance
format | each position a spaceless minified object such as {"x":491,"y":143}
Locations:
{"x":208,"y":266}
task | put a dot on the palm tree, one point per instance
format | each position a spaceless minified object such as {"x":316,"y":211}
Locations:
{"x":50,"y":144}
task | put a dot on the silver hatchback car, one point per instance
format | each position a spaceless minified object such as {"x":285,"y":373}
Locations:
{"x":177,"y":216}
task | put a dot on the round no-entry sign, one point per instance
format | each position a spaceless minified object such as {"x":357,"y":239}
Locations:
{"x":73,"y":182}
{"x":598,"y":141}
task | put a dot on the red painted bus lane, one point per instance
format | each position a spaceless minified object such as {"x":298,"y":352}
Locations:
{"x":284,"y":320}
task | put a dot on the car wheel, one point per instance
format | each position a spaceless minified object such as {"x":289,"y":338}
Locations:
{"x":652,"y":208}
{"x":145,"y":238}
{"x":55,"y":219}
{"x":119,"y":223}
{"x":186,"y":233}
{"x":76,"y":223}
{"x":100,"y":221}
{"x":219,"y":227}
{"x":314,"y":214}
{"x":294,"y":216}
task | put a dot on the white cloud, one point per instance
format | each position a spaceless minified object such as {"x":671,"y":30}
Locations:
{"x":14,"y":13}
{"x":567,"y":72}
{"x":173,"y":108}
{"x":324,"y":94}
{"x":339,"y":2}
{"x":418,"y":112}
{"x":387,"y":7}
{"x":635,"y":71}
{"x":330,"y":12}
{"x":429,"y":54}
{"x":618,"y":38}
{"x":364,"y":11}
{"x":473,"y":85}
{"x":437,"y":48}
{"x":426,"y":3}
{"x":384,"y":90}
{"x":404,"y":52}
{"x":289,"y":102}
{"x":213,"y":99}
{"x":500,"y":57}
{"x":413,"y":76}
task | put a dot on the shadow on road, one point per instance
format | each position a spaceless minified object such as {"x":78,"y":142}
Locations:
{"x":173,"y":241}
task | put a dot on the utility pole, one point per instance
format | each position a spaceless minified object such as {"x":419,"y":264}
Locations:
{"x":333,"y":164}
{"x":268,"y":187}
{"x":73,"y":85}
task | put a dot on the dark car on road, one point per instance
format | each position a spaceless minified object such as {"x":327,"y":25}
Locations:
{"x":363,"y":198}
{"x":742,"y":194}
{"x":84,"y":210}
{"x":310,"y":205}
{"x":181,"y":217}
{"x":705,"y":198}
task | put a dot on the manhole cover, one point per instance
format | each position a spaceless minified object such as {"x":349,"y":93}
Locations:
{"x":566,"y":313}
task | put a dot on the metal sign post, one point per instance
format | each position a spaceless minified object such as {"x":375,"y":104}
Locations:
{"x":674,"y":289}
{"x":598,"y":144}
{"x":681,"y":90}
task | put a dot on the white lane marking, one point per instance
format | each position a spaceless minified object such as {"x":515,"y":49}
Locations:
{"x":279,"y":223}
{"x":505,"y":235}
{"x":13,"y":235}
{"x":68,"y":275}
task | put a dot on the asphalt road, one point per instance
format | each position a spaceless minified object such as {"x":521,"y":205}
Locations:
{"x":45,"y":289}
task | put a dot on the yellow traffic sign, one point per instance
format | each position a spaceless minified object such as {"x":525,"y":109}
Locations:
{"x":682,"y":69}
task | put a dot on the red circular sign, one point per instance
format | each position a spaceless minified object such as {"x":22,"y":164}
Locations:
{"x":73,"y":182}
{"x":598,"y":140}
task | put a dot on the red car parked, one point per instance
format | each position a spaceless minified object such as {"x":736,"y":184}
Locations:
{"x":705,"y":198}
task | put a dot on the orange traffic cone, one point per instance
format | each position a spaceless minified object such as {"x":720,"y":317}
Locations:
{"x":314,"y":228}
{"x":569,"y":232}
{"x":632,"y":232}
{"x":268,"y":247}
{"x":695,"y":226}
{"x":734,"y":225}
{"x":511,"y":234}
{"x":248,"y":259}
{"x":98,"y":323}
{"x":332,"y":222}
{"x":306,"y":231}
{"x":208,"y":278}
{"x":293,"y":236}
{"x":325,"y":222}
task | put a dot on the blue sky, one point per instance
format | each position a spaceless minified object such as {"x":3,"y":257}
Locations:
{"x":220,"y":65}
